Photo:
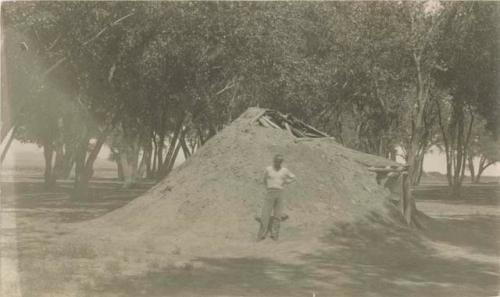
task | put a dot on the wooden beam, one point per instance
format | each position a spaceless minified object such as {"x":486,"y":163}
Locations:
{"x":270,"y":122}
{"x":263,"y":122}
{"x":317,"y":131}
{"x":298,"y":132}
{"x":288,"y":128}
{"x":388,"y":169}
{"x":310,"y":127}
{"x":312,"y":135}
{"x":305,"y":139}
{"x":260,"y":114}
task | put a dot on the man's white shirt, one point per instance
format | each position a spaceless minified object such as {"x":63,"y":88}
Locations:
{"x":277,"y":179}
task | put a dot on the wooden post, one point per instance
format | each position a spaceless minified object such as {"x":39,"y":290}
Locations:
{"x":406,"y":205}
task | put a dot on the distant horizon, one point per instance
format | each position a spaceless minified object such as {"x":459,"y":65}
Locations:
{"x":434,"y":160}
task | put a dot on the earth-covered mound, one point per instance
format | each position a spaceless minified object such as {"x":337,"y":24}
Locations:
{"x":207,"y":205}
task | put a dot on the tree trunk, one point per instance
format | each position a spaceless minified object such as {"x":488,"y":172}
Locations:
{"x":155,"y":155}
{"x":382,"y":147}
{"x":478,"y":178}
{"x":81,"y":189}
{"x":148,"y":154}
{"x":68,"y":161}
{"x":59,"y":162}
{"x":133,"y":160}
{"x":201,"y":137}
{"x":482,"y":166}
{"x":9,"y":142}
{"x":467,"y":152}
{"x":59,"y":151}
{"x":89,"y":164}
{"x":141,"y":169}
{"x":165,"y":168}
{"x":194,"y":146}
{"x":459,"y":139}
{"x":173,"y":158}
{"x":458,"y":120}
{"x":6,"y":115}
{"x":471,"y":168}
{"x":126,"y":168}
{"x":159,"y":157}
{"x":68,"y":166}
{"x":128,"y":157}
{"x":449,"y":164}
{"x":420,"y":169}
{"x":118,"y":161}
{"x":418,"y":134}
{"x":119,"y":168}
{"x":392,"y":153}
{"x":48,"y":154}
{"x":405,"y":201}
{"x":185,"y":148}
{"x":211,"y":130}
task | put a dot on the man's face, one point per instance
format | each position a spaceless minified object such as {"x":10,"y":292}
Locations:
{"x":277,"y":161}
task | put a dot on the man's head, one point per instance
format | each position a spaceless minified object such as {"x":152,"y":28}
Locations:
{"x":278,"y":159}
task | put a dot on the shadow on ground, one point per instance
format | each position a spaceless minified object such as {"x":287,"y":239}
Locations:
{"x":31,"y":198}
{"x":372,"y":258}
{"x":375,"y":257}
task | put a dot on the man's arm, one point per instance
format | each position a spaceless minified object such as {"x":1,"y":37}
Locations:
{"x":265,"y":177}
{"x":290,"y":177}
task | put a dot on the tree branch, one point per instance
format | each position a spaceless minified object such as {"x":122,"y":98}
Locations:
{"x":53,"y":44}
{"x":60,"y":61}
{"x":107,"y":27}
{"x":54,"y":66}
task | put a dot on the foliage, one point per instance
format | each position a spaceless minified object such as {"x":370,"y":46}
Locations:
{"x":162,"y":73}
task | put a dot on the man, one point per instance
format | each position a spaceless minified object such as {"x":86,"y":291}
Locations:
{"x":275,"y":177}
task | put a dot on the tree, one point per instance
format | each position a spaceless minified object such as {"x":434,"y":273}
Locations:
{"x":483,"y":147}
{"x":52,"y":21}
{"x":469,"y":51}
{"x":164,"y":77}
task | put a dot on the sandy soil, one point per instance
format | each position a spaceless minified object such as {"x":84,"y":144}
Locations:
{"x":207,"y":205}
{"x":457,"y":255}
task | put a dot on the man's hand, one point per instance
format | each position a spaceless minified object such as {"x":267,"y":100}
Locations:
{"x":290,"y":178}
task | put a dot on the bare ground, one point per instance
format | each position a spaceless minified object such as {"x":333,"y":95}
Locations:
{"x":457,"y":254}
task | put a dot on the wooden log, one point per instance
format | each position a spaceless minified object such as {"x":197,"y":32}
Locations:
{"x":406,"y":199}
{"x":289,"y":129}
{"x":304,"y":139}
{"x":297,"y":132}
{"x":263,"y":122}
{"x":277,"y":118}
{"x":260,"y":114}
{"x":313,"y":129}
{"x":388,"y":169}
{"x":303,"y":127}
{"x":270,"y":122}
{"x":312,"y":135}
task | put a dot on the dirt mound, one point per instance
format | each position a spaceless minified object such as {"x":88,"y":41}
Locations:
{"x":208,"y":204}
